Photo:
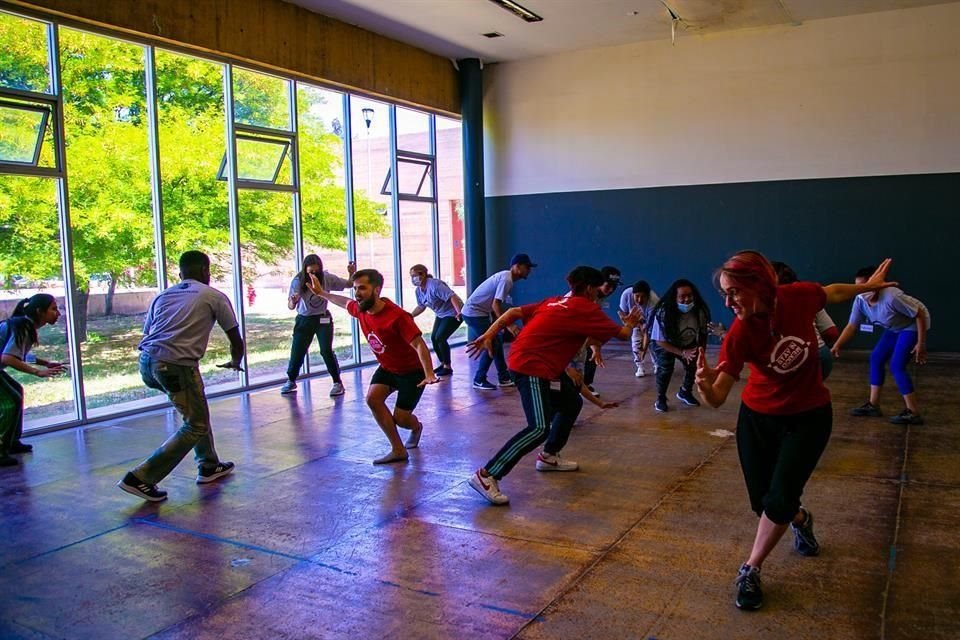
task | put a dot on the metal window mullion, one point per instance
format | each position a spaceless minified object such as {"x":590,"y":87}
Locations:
{"x":233,"y":212}
{"x":156,"y":183}
{"x":435,"y":210}
{"x":297,"y":203}
{"x":348,"y":203}
{"x":395,"y":204}
{"x":66,"y":238}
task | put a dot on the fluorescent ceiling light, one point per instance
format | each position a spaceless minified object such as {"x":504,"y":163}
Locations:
{"x":518,"y":10}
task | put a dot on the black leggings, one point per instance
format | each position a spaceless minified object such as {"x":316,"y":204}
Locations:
{"x":443,"y":328}
{"x":777,"y":456}
{"x":304,"y":329}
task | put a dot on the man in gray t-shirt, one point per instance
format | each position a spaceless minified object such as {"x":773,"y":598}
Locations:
{"x":176,"y":332}
{"x":487,"y":303}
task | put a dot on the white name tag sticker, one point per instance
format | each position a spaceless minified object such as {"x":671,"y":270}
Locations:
{"x":866,"y":328}
{"x":554,"y":385}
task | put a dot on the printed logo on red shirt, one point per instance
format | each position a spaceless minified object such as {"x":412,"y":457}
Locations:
{"x":376,"y":345}
{"x":788,"y":354}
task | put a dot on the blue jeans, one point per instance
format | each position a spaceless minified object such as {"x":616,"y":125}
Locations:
{"x":477,"y":326}
{"x":184,"y":386}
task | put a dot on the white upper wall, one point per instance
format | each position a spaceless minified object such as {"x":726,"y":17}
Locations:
{"x":872,"y":94}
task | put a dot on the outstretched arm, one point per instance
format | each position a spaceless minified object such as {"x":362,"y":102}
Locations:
{"x":844,"y":338}
{"x":317,"y":287}
{"x":485,"y":341}
{"x":842,"y":292}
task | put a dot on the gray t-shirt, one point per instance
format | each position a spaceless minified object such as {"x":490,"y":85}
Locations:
{"x":311,"y":304}
{"x":436,"y":295}
{"x":627,"y":303}
{"x":893,"y":310}
{"x":496,"y":287}
{"x":178,"y":324}
{"x":688,"y":329}
{"x":10,"y":346}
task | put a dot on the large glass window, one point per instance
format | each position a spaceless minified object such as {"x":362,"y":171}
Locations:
{"x":139,"y":196}
{"x":30,"y":263}
{"x":320,"y":121}
{"x":374,"y":225}
{"x":450,"y":222}
{"x":107,"y":142}
{"x":190,"y":107}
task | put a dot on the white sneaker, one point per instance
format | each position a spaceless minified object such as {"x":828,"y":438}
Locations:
{"x":641,"y":372}
{"x":288,"y":387}
{"x":488,"y":488}
{"x":337,"y":389}
{"x":548,"y":462}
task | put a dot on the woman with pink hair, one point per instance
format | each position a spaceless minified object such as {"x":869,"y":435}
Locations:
{"x":785,"y":415}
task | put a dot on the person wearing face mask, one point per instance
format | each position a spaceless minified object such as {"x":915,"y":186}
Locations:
{"x":18,"y":335}
{"x":397,"y":343}
{"x":785,"y":417}
{"x":554,"y":330}
{"x":611,"y":281}
{"x":680,"y":325}
{"x":905,"y":322}
{"x":313,"y":321}
{"x":640,"y":295}
{"x":446,"y":305}
{"x":487,"y":303}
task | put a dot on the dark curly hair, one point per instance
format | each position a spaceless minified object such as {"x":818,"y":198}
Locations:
{"x":668,"y":314}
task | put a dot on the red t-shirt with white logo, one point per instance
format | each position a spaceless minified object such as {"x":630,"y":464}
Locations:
{"x":553,"y":331}
{"x":389,"y":334}
{"x":785,"y":376}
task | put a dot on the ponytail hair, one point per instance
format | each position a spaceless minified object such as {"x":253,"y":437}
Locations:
{"x":23,"y":321}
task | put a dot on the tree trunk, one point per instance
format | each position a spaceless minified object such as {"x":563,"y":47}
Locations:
{"x":108,"y":302}
{"x":83,"y":297}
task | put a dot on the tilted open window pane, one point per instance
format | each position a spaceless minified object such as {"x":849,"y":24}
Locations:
{"x":261,"y":160}
{"x":416,"y":179}
{"x":23,"y":128}
{"x":25,"y":54}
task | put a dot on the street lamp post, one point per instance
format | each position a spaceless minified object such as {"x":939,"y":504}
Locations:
{"x":368,"y":120}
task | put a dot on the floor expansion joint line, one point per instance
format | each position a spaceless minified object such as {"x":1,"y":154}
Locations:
{"x":892,"y":562}
{"x":616,"y":543}
{"x":68,"y":545}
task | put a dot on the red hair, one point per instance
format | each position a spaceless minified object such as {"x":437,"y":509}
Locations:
{"x":751,"y":270}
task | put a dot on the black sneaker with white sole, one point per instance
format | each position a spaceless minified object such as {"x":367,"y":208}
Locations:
{"x":687,"y":398}
{"x":214,"y":473}
{"x":661,"y":404}
{"x":136,"y":487}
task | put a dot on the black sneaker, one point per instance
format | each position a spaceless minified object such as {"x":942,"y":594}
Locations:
{"x":803,"y":539}
{"x":687,"y":398}
{"x":20,"y":447}
{"x":484,"y":385}
{"x":214,"y":473}
{"x":661,"y":404}
{"x":593,"y":391}
{"x":443,"y":371}
{"x":749,"y":592}
{"x":8,"y":461}
{"x":904,"y":417}
{"x":135,"y":487}
{"x":866,"y":410}
{"x":506,"y":382}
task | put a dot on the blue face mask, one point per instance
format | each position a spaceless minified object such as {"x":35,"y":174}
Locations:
{"x":685,"y":308}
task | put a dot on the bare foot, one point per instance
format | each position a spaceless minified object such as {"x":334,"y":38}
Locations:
{"x":392,"y":457}
{"x":413,"y":440}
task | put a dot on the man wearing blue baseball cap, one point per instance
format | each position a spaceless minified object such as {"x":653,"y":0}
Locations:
{"x":487,"y":303}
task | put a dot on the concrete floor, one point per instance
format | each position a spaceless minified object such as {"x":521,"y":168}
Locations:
{"x":309,"y":540}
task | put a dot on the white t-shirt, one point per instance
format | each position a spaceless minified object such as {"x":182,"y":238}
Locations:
{"x":178,"y":324}
{"x":436,"y":296}
{"x":10,"y":346}
{"x":627,"y":303}
{"x":893,"y":310}
{"x":311,"y":304}
{"x":496,"y":287}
